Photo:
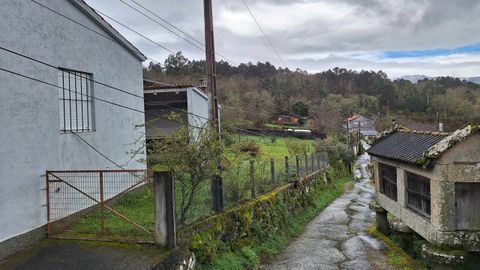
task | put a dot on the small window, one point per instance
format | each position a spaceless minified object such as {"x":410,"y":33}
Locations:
{"x":75,"y":101}
{"x":388,"y":180}
{"x":418,"y":194}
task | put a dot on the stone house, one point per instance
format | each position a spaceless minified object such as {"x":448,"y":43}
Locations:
{"x":46,"y":108}
{"x":431,"y":182}
{"x":360,"y":124}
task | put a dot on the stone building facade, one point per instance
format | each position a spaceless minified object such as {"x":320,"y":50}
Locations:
{"x":431,"y":181}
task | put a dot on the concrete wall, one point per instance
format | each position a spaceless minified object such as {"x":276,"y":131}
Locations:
{"x":197,"y":104}
{"x":30,"y":140}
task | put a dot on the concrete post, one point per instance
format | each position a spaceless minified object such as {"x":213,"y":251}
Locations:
{"x":286,"y":165}
{"x":217,"y":193}
{"x":252,"y":180}
{"x":381,"y":218}
{"x":297,"y":163}
{"x":164,"y":199}
{"x":306,"y":163}
{"x":405,"y":234}
{"x":272,"y":169}
{"x":312,"y":156}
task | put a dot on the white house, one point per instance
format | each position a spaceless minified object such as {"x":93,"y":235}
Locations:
{"x":188,"y":101}
{"x":44,"y":106}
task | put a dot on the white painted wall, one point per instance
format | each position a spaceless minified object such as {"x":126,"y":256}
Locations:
{"x":197,"y":105}
{"x":30,"y":140}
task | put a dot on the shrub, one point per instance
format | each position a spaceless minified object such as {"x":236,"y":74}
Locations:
{"x":248,"y":146}
{"x":336,"y":149}
{"x":296,"y":146}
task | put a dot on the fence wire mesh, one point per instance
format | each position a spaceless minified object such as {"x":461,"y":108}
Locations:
{"x":100,"y":205}
{"x":248,"y":179}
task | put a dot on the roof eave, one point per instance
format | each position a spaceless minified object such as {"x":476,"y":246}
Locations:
{"x":85,"y":8}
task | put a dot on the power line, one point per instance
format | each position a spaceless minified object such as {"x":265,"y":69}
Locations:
{"x":155,"y":21}
{"x":133,"y":30}
{"x":263,"y":32}
{"x":81,"y":94}
{"x":82,"y":25}
{"x":54,"y":67}
{"x":176,"y":28}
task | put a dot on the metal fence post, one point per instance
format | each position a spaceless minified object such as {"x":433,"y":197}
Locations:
{"x":286,"y":165}
{"x":102,"y":205}
{"x":272,"y":169}
{"x":47,"y":190}
{"x":217,"y":193}
{"x":164,"y":198}
{"x":252,"y":179}
{"x":297,"y":163}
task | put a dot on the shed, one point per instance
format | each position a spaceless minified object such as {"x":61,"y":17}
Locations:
{"x":431,"y":181}
{"x":188,"y":101}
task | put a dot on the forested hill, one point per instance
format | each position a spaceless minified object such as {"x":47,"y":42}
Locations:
{"x":254,"y":94}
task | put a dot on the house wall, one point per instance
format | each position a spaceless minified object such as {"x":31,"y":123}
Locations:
{"x":30,"y":139}
{"x":197,"y":104}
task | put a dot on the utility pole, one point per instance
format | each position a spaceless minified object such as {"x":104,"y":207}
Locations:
{"x":211,"y":68}
{"x":216,"y":186}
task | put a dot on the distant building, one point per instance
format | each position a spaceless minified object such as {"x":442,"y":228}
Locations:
{"x":431,"y":181}
{"x":287,"y":120}
{"x":187,"y":101}
{"x":360,"y":124}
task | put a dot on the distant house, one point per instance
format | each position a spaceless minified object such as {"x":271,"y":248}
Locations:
{"x":287,"y":120}
{"x":44,"y":117}
{"x":187,"y":101}
{"x":431,"y":181}
{"x":360,"y":124}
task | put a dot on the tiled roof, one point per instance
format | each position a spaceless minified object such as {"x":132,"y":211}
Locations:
{"x":417,"y":147}
{"x":405,"y":146}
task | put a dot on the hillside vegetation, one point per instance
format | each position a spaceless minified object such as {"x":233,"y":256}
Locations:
{"x":255,"y":94}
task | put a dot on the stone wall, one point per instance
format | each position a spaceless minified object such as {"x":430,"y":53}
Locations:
{"x":266,"y":213}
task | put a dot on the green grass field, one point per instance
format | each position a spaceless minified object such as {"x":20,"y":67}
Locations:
{"x":276,"y":147}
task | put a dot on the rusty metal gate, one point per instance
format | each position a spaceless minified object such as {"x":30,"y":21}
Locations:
{"x":100,"y":205}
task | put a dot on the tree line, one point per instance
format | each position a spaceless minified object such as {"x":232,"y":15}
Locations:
{"x":255,"y":94}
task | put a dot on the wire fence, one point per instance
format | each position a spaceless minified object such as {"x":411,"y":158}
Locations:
{"x":100,"y":205}
{"x":118,"y":205}
{"x":247,"y":180}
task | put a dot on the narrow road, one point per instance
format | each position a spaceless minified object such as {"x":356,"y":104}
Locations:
{"x":337,"y":238}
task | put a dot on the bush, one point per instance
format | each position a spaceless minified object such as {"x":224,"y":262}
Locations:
{"x":336,"y":149}
{"x":248,"y":146}
{"x":296,"y":146}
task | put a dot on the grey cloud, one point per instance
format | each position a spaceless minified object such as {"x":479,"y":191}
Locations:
{"x":369,"y":26}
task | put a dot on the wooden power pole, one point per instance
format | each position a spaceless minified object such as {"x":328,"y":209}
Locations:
{"x":211,"y":68}
{"x":213,"y":117}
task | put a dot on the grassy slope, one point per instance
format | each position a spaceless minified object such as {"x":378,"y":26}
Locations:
{"x":275,"y":148}
{"x":251,"y":255}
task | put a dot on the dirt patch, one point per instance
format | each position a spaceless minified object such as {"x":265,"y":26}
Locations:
{"x":378,"y":259}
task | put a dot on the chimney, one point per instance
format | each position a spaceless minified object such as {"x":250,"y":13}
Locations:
{"x":440,"y":126}
{"x":203,"y":84}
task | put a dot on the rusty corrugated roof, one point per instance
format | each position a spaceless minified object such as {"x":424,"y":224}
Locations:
{"x":148,"y":85}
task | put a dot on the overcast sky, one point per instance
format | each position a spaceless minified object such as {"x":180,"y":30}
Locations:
{"x":400,"y":37}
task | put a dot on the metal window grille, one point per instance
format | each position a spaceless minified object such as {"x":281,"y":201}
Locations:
{"x":418,"y":194}
{"x":75,"y":101}
{"x":388,"y":181}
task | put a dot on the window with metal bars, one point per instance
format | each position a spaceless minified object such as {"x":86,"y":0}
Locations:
{"x":388,"y":180}
{"x":75,"y":101}
{"x":418,"y":194}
